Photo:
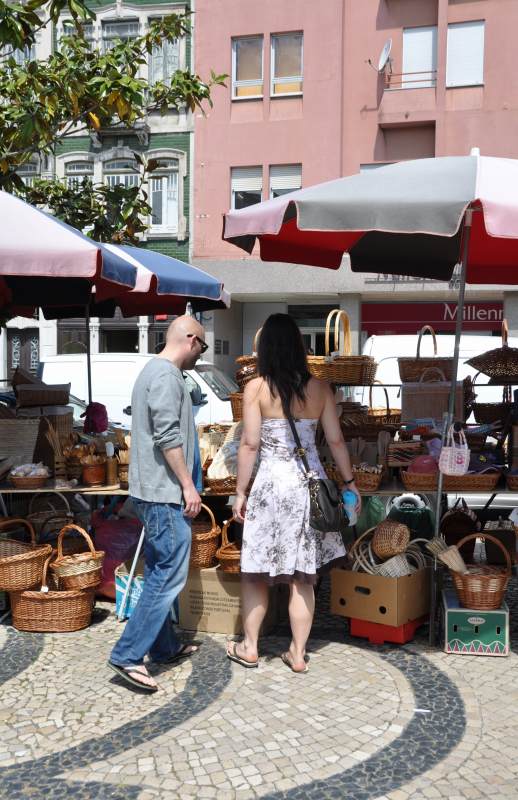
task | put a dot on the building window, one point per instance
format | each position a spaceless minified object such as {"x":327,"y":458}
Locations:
{"x":69,"y":29}
{"x":247,"y":186}
{"x":121,"y":172}
{"x":76,"y":172}
{"x":163,"y":185}
{"x":164,"y":61}
{"x":28,"y":172}
{"x":286,"y":63}
{"x":419,"y":58}
{"x":465,"y":54}
{"x":285,"y":178}
{"x":28,"y":53}
{"x":122,"y":30}
{"x":247,"y":67}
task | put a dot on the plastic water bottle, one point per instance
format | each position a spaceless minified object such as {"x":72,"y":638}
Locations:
{"x":350,"y":501}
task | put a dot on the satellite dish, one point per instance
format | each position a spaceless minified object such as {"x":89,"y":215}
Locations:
{"x":384,"y":55}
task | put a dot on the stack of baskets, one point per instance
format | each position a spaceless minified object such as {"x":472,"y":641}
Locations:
{"x":229,"y":554}
{"x":24,"y":574}
{"x":205,"y":540}
{"x":342,"y":367}
{"x":387,"y":550}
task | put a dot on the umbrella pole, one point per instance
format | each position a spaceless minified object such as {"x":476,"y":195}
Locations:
{"x":88,"y":357}
{"x":451,"y":406}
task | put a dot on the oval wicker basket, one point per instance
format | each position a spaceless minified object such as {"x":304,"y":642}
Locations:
{"x":419,"y":481}
{"x":367,"y":481}
{"x":411,"y":369}
{"x":344,"y":368}
{"x":205,"y":541}
{"x":472,"y":482}
{"x":390,"y":539}
{"x":229,"y":554}
{"x":21,"y":565}
{"x":46,"y":611}
{"x":482,"y":587}
{"x":79,"y":570}
{"x":28,"y":482}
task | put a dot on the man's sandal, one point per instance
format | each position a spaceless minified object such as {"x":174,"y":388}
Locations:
{"x":185,"y":651}
{"x":233,"y":656}
{"x":127,"y":673}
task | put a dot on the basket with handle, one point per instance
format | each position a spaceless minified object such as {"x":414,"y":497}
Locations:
{"x":21,"y":564}
{"x":390,"y":539}
{"x":247,"y":365}
{"x":430,"y":396}
{"x":46,"y":505}
{"x":482,"y":587}
{"x":229,"y":554}
{"x":79,"y":570}
{"x":487,"y":413}
{"x":454,"y":458}
{"x":45,"y":611}
{"x":411,"y":369}
{"x":384,"y":415}
{"x":500,"y":363}
{"x":343,"y":368}
{"x":205,"y":540}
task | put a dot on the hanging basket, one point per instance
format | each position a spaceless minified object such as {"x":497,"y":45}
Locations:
{"x":390,"y":539}
{"x":500,"y":363}
{"x":47,"y":611}
{"x":205,"y":540}
{"x":79,"y":570}
{"x":229,"y":554}
{"x":342,"y":368}
{"x":411,"y":369}
{"x":482,"y":587}
{"x":21,"y":564}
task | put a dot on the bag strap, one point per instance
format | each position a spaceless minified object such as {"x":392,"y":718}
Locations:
{"x":300,"y":450}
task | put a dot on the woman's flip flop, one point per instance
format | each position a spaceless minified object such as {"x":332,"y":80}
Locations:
{"x":287,"y":660}
{"x":244,"y":663}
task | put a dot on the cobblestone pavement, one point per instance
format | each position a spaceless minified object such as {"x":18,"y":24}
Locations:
{"x":365,"y":722}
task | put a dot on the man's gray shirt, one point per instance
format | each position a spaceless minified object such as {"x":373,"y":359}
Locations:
{"x":162,"y":418}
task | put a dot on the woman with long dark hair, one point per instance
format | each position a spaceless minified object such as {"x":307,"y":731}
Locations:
{"x":279,"y":545}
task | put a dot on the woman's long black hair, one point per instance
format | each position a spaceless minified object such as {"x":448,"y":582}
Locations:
{"x":282,"y":359}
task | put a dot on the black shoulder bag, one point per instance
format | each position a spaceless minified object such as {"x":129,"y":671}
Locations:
{"x":326,"y":507}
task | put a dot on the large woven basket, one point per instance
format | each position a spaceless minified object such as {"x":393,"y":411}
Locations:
{"x":344,"y":368}
{"x":472,"y":482}
{"x":21,"y":564}
{"x":390,"y":539}
{"x":205,"y":540}
{"x":236,"y":401}
{"x":229,"y":554}
{"x":501,"y":363}
{"x":482,"y":587}
{"x":79,"y":570}
{"x":47,"y":611}
{"x":411,"y":369}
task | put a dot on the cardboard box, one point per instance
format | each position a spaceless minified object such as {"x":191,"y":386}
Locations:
{"x":211,"y":602}
{"x":474,"y":633}
{"x":374,"y":598}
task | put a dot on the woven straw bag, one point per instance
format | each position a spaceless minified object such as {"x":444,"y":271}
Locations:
{"x":79,"y":570}
{"x":411,"y":369}
{"x":21,"y":564}
{"x":454,"y":458}
{"x":390,"y":539}
{"x":341,"y":368}
{"x":205,"y":540}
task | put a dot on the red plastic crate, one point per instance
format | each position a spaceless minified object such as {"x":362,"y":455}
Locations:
{"x":379,"y":634}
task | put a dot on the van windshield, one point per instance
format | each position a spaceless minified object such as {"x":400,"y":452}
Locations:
{"x":221,"y":384}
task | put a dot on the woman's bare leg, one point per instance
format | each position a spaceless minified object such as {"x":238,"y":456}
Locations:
{"x":254,"y":605}
{"x":301,"y":610}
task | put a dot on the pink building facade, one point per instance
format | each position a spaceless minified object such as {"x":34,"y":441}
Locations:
{"x":305,"y":102}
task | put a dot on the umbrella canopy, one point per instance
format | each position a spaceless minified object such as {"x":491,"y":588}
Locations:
{"x":44,"y":261}
{"x":404,"y":218}
{"x":164,"y":285}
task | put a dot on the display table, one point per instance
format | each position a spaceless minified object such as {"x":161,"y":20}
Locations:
{"x":6,"y":488}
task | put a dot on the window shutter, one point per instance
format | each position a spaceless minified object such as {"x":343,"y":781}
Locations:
{"x":420,"y":56}
{"x":286,"y":176}
{"x":247,"y":179}
{"x":465,"y":55}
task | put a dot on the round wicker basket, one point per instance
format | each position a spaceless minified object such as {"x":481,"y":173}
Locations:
{"x":79,"y":570}
{"x":228,"y":555}
{"x":482,"y":587}
{"x":205,"y":540}
{"x":21,"y":564}
{"x":344,"y":368}
{"x":390,"y":539}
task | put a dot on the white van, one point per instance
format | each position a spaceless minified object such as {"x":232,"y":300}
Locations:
{"x":113,"y":377}
{"x":387,"y":349}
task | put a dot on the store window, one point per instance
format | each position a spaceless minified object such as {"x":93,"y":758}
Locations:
{"x":285,"y":178}
{"x":419,"y":58}
{"x":120,"y":30}
{"x":164,"y":61}
{"x":246,"y":185}
{"x":247,"y":67}
{"x":163,"y":193}
{"x":121,"y":172}
{"x":77,"y":171}
{"x":286,"y":63}
{"x":465,"y":54}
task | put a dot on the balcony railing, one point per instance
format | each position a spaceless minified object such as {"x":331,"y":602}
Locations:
{"x":411,"y":80}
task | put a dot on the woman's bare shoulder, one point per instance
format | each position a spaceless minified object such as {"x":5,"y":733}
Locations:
{"x":253,"y":388}
{"x":317,"y":387}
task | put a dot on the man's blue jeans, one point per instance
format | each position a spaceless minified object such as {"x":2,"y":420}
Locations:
{"x":167,"y":547}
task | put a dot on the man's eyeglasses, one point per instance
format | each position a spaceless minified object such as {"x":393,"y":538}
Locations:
{"x":203,"y":345}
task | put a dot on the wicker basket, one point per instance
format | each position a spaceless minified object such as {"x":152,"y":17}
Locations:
{"x":384,"y":415}
{"x":473,"y":482}
{"x":390,"y":539}
{"x":228,"y":555}
{"x":80,"y":570}
{"x":222,"y":485}
{"x":344,"y":368}
{"x":21,"y":565}
{"x":501,"y":363}
{"x":487,"y":413}
{"x":247,"y":365}
{"x":236,"y":401}
{"x":51,"y":611}
{"x":205,"y":541}
{"x":395,"y":567}
{"x":367,"y":481}
{"x":419,"y":482}
{"x":28,"y":482}
{"x":18,"y":439}
{"x":400,"y":454}
{"x":411,"y":369}
{"x":482,"y":587}
{"x":42,"y":394}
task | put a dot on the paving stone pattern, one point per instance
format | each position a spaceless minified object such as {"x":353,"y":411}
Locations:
{"x":365,"y":722}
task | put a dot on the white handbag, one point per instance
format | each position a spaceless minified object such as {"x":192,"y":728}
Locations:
{"x":454,"y":457}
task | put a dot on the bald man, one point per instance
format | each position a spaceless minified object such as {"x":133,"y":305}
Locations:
{"x":161,"y":484}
